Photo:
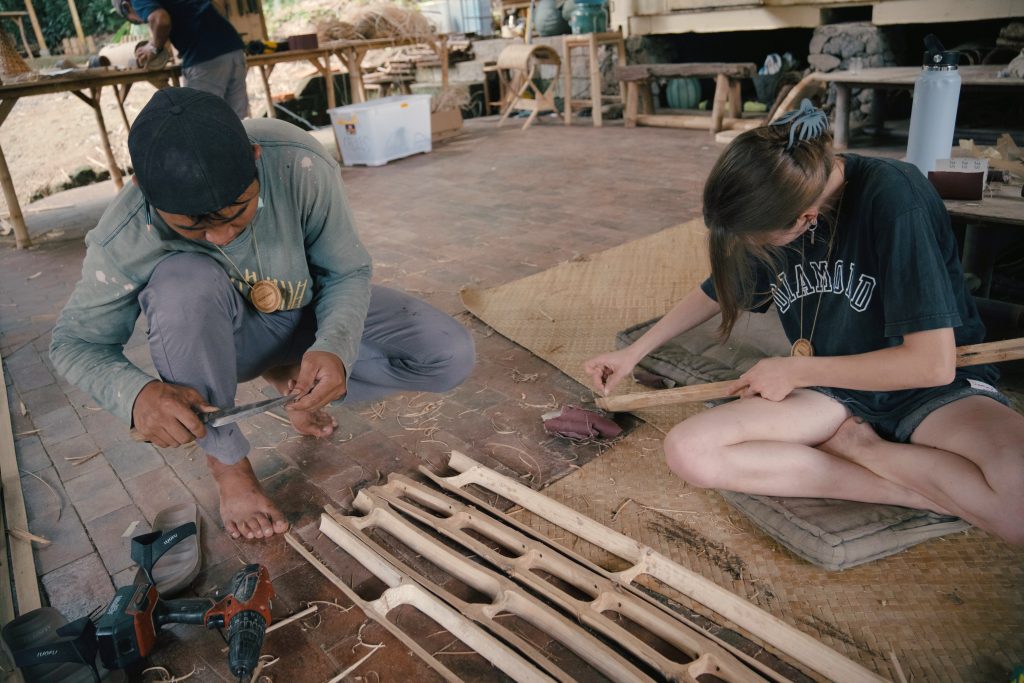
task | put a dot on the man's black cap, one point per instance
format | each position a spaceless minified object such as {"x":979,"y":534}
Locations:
{"x":190,"y":152}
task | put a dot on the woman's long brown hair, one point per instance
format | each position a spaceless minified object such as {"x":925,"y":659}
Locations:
{"x":757,"y":187}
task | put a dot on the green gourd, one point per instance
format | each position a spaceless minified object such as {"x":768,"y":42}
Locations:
{"x":683,"y":93}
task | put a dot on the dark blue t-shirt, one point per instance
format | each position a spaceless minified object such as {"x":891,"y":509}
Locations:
{"x":198,"y":31}
{"x":893,"y":268}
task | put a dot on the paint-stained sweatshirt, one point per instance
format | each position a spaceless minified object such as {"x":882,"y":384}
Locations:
{"x":307,"y":244}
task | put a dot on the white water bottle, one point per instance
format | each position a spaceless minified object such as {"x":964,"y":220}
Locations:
{"x":933,"y":117}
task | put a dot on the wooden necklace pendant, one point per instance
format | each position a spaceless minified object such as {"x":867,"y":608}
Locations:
{"x":802,"y":348}
{"x":265,"y":296}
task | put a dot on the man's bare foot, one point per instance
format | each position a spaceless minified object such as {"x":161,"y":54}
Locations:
{"x":315,"y":423}
{"x":244,"y":509}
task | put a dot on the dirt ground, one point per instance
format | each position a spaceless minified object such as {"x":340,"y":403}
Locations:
{"x":47,"y":138}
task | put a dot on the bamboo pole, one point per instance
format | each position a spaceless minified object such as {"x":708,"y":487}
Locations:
{"x":43,"y":50}
{"x":971,"y":354}
{"x":23,"y":568}
{"x":78,"y":23}
{"x":21,"y":238}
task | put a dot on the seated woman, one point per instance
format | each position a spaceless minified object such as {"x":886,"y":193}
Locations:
{"x":859,"y":259}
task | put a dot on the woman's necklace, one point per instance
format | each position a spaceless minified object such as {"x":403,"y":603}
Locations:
{"x":803,"y":346}
{"x":264,"y":295}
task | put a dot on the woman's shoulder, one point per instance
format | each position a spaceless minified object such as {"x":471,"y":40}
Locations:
{"x":890,"y":186}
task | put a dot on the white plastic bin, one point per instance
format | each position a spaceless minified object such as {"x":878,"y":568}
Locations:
{"x":460,"y":16}
{"x":376,"y":132}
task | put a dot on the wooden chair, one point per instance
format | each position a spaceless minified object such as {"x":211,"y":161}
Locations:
{"x":522,"y":64}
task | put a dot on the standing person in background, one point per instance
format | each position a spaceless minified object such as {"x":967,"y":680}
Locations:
{"x":212,"y":53}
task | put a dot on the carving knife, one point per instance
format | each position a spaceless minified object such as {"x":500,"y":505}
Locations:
{"x":228,"y":416}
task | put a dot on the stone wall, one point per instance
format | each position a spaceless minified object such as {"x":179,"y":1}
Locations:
{"x":853,"y":46}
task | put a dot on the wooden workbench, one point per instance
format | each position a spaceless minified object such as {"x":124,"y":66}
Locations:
{"x":86,"y":85}
{"x":981,"y":77}
{"x":352,"y":52}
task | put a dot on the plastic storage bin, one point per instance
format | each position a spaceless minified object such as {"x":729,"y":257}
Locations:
{"x":460,"y":16}
{"x":376,"y":132}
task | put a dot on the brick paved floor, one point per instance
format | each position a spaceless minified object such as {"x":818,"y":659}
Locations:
{"x":489,"y":207}
{"x":484,"y":209}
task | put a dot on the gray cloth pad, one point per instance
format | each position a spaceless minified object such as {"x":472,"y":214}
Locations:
{"x":833,"y":534}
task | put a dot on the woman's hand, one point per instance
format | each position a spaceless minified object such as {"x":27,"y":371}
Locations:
{"x":770,"y":378}
{"x":608,"y":369}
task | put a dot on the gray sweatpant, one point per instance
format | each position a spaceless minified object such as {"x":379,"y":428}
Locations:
{"x":223,"y":76}
{"x":205,"y":335}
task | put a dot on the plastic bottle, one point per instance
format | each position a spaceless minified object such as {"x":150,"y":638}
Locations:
{"x":933,"y":117}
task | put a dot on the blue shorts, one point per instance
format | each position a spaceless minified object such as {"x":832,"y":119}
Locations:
{"x":899,"y":425}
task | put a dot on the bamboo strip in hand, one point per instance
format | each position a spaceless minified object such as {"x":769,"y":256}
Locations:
{"x":972,"y":354}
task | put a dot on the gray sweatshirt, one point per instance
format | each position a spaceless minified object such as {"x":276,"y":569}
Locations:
{"x":307,"y":244}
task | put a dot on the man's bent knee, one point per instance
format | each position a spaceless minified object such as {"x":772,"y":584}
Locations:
{"x":186,"y":283}
{"x":455,"y":365}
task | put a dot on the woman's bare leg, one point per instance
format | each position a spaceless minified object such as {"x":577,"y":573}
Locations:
{"x":967,"y":456}
{"x":765,"y":447}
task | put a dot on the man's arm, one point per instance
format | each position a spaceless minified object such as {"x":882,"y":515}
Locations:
{"x":341,"y":270}
{"x":159,"y":28}
{"x":88,"y":340}
{"x":159,"y":21}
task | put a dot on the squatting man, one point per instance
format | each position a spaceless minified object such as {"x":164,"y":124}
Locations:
{"x":237,"y":243}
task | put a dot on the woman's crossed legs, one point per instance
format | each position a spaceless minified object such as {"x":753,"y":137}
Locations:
{"x":966,"y":458}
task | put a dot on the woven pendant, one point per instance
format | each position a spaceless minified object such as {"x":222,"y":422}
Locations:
{"x":802,"y":347}
{"x":265,"y":296}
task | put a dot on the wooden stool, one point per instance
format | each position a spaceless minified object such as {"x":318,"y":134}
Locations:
{"x":498,"y":99}
{"x":590,"y":41}
{"x":523,"y":62}
{"x":727,"y":93}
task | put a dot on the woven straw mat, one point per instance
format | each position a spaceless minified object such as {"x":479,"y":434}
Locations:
{"x":949,"y":610}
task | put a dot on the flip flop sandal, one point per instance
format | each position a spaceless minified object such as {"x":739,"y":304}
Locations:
{"x":48,"y":649}
{"x":175,"y":559}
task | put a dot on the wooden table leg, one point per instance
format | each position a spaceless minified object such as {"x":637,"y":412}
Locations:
{"x":595,"y":81}
{"x":719,"y":102}
{"x":24,"y":38}
{"x":94,"y":102}
{"x":842,"y":125}
{"x":355,"y":75}
{"x":567,"y":81}
{"x":443,"y":55}
{"x":735,"y":99}
{"x":646,"y":97}
{"x":21,"y":237}
{"x":325,"y":71}
{"x":121,"y":96}
{"x":632,"y":102}
{"x":620,"y":48}
{"x":265,"y":71}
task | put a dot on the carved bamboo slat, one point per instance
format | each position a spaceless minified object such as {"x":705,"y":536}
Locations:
{"x":453,"y":520}
{"x":798,"y":645}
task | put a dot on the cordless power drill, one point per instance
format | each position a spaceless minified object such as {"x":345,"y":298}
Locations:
{"x":127,"y":630}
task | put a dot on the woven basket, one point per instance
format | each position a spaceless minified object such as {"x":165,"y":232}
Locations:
{"x":11,"y":63}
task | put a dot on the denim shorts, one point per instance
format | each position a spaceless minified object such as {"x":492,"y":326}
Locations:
{"x":898,"y":425}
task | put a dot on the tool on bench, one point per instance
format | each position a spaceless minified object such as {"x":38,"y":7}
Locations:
{"x":127,"y":630}
{"x":973,"y":354}
{"x":228,"y":416}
